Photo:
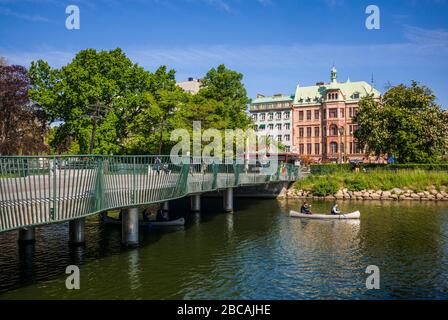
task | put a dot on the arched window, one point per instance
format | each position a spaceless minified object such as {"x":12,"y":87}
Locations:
{"x":333,"y":147}
{"x":333,"y":130}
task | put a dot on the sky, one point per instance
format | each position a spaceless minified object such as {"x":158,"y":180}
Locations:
{"x":276,"y":44}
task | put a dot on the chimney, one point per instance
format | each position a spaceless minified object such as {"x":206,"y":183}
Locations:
{"x":320,"y":84}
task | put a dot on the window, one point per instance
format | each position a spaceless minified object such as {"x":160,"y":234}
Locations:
{"x":279,"y":138}
{"x":356,"y":95}
{"x":300,"y":115}
{"x":262,"y":127}
{"x":278,"y":116}
{"x":333,"y":113}
{"x":342,"y":113}
{"x":333,"y":147}
{"x":287,"y":148}
{"x":271,"y":126}
{"x":316,"y":114}
{"x":350,"y":112}
{"x":357,"y":149}
{"x":287,"y":126}
{"x":255,"y":117}
{"x":309,"y":148}
{"x":316,"y":131}
{"x":270,"y":116}
{"x":333,"y":130}
{"x":355,"y":112}
{"x":286,"y":115}
{"x":287,"y":137}
{"x":262,"y":116}
{"x":278,"y":126}
{"x":308,"y":115}
{"x":301,"y":148}
{"x":317,"y":148}
{"x":301,"y":132}
{"x":308,"y":132}
{"x":333,"y":96}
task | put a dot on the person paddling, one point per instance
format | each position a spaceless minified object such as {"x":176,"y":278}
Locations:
{"x":305,"y":209}
{"x":335,"y":209}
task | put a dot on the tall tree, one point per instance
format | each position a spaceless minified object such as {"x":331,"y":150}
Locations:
{"x":23,"y":124}
{"x":225,"y":88}
{"x":95,"y":96}
{"x":407,"y":124}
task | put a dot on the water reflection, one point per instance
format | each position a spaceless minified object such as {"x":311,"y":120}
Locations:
{"x":258,"y":252}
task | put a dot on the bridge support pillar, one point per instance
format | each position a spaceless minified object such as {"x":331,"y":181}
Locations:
{"x":228,"y":200}
{"x":166,"y":206}
{"x":27,"y":235}
{"x":196,"y":203}
{"x":76,"y":231}
{"x":129,"y":228}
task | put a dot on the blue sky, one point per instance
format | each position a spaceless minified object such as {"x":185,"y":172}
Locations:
{"x":276,"y":44}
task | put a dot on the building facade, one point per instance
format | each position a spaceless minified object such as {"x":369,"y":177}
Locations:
{"x":323,"y":124}
{"x":192,"y":85}
{"x":272,"y":117}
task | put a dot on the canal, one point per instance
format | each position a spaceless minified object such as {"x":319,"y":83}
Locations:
{"x":256,"y":253}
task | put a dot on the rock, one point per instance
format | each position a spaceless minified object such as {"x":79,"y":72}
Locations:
{"x":394,"y":196}
{"x":439,"y":196}
{"x":415,"y":196}
{"x":386,"y":194}
{"x":431,"y":197}
{"x":434,"y":192}
{"x":397,"y":191}
{"x":375,"y":196}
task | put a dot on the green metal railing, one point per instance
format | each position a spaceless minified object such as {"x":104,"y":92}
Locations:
{"x":49,"y":189}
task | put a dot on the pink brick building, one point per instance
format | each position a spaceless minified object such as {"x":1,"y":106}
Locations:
{"x":322,"y":119}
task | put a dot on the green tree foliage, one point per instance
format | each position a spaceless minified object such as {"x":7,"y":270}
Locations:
{"x":107,"y":104}
{"x":407,"y":124}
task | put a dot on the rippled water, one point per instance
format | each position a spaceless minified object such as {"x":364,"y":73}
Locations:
{"x":256,"y":253}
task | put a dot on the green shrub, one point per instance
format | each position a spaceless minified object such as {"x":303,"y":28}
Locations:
{"x":355,"y":184}
{"x":325,"y":188}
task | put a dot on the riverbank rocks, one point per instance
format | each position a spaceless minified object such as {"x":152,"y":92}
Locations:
{"x":396,"y":194}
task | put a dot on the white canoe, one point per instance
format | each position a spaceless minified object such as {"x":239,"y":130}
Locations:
{"x":172,"y":223}
{"x":353,"y":215}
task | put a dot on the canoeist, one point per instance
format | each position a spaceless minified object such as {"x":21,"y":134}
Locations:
{"x":305,"y":209}
{"x":335,"y":209}
{"x":161,"y":216}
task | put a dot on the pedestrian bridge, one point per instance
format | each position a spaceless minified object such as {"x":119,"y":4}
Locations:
{"x":50,"y":189}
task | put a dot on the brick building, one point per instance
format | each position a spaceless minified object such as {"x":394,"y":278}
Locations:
{"x":322,"y":119}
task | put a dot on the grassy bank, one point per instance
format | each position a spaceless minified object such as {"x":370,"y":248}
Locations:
{"x":416,"y":180}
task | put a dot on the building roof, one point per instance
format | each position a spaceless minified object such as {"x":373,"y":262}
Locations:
{"x":315,"y":94}
{"x":273,"y":99}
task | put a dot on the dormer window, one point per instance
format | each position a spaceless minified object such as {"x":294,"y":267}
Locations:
{"x":356,"y":95}
{"x":333,"y":96}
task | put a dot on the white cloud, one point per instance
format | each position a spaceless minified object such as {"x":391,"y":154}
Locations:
{"x":22,"y":16}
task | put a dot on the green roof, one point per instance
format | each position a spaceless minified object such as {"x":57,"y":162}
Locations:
{"x":315,"y":94}
{"x":273,"y":99}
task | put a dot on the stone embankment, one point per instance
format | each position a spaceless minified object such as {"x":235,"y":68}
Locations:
{"x":433,"y":194}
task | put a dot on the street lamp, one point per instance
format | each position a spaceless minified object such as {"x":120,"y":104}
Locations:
{"x":341,"y":133}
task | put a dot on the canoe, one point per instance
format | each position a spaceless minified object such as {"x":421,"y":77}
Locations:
{"x":353,"y":215}
{"x":172,"y":223}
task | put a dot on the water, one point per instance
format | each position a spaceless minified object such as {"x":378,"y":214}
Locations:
{"x":256,"y":253}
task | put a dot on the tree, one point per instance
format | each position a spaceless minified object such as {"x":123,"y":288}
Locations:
{"x":96,"y":96}
{"x":23,"y":124}
{"x":2,"y":61}
{"x":225,"y":88}
{"x":407,"y":124}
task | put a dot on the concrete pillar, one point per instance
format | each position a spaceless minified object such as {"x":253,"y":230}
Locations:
{"x":129,"y":228}
{"x":27,"y":235}
{"x":196,"y":203}
{"x":228,"y":200}
{"x":76,"y":231}
{"x":166,"y":206}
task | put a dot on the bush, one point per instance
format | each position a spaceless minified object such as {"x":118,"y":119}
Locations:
{"x":325,"y":188}
{"x":355,"y":184}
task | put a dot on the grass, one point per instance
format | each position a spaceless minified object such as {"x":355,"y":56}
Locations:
{"x":417,"y":180}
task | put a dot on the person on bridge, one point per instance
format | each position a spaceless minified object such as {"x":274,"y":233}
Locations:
{"x":306,"y":208}
{"x":335,"y":209}
{"x":157,"y":164}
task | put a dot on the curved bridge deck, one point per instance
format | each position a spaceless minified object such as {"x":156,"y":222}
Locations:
{"x":42,"y":190}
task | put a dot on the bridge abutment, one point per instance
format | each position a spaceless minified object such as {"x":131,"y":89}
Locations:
{"x":228,"y":200}
{"x":196,"y":203}
{"x":76,"y":230}
{"x":129,"y":228}
{"x":27,"y":235}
